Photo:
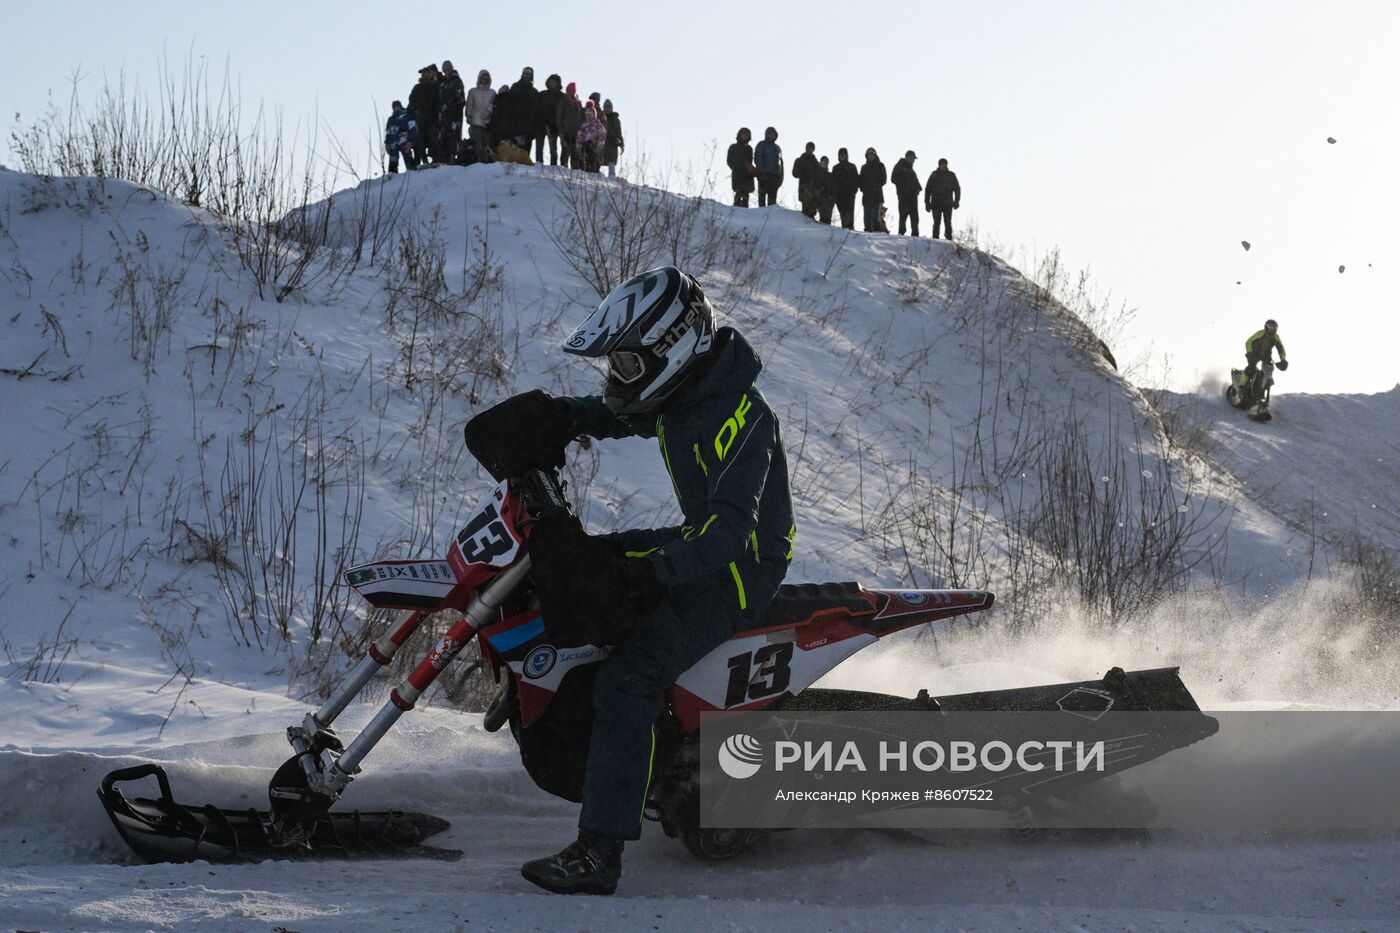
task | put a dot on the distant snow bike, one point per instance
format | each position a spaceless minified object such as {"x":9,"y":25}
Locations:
{"x":1251,"y":395}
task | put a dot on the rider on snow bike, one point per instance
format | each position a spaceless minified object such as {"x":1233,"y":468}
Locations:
{"x":663,"y":598}
{"x":1259,"y":349}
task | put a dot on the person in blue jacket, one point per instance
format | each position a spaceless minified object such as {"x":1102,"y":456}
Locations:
{"x":683,"y":590}
{"x":768,"y":163}
{"x":400,"y":136}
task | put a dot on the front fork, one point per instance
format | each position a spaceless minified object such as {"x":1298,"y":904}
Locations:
{"x":314,"y":735}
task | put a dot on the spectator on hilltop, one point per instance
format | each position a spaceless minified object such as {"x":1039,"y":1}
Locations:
{"x":504,"y":123}
{"x":422,"y":103}
{"x":527,"y":103}
{"x":845,"y":182}
{"x":942,"y":196}
{"x":825,"y":192}
{"x":741,"y":168}
{"x":547,"y":116}
{"x":804,"y":168}
{"x":768,"y":162}
{"x":510,"y":127}
{"x":400,"y":136}
{"x":451,"y":98}
{"x":906,"y":190}
{"x":615,"y":144}
{"x":872,"y":190}
{"x":481,"y":104}
{"x":569,"y":117}
{"x":592,"y":134}
{"x":517,"y":123}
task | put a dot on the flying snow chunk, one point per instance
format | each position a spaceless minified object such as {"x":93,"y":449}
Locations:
{"x":1245,"y":244}
{"x":1331,"y":141}
{"x":1341,"y":268}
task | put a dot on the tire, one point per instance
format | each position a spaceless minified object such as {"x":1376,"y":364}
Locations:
{"x":498,"y":713}
{"x":717,"y":844}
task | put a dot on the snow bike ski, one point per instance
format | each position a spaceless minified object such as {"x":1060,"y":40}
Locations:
{"x":1251,"y":395}
{"x":546,"y":697}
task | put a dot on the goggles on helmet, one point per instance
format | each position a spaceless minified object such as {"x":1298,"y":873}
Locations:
{"x":625,"y":366}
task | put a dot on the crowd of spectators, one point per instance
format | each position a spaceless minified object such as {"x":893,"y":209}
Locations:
{"x":505,"y":123}
{"x":502,"y":124}
{"x":823,"y":188}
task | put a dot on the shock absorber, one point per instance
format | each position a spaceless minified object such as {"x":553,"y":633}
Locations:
{"x":479,"y":612}
{"x":315,"y":732}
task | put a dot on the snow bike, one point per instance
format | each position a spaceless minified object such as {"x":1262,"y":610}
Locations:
{"x":546,"y":698}
{"x":1251,"y":394}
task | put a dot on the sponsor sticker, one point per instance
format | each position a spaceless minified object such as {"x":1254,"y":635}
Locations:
{"x":540,"y":662}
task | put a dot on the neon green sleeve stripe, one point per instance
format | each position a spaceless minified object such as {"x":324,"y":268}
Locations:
{"x":704,"y":528}
{"x":651,"y":765}
{"x":643,"y":553}
{"x":739,"y":585}
{"x":666,"y":455}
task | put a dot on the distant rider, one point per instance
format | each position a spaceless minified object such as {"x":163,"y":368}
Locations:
{"x":1259,"y":349}
{"x":662,"y":598}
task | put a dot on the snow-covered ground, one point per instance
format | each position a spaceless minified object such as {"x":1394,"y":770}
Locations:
{"x":144,"y":378}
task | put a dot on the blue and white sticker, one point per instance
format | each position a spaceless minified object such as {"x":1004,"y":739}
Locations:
{"x":913,"y":598}
{"x":540,"y":662}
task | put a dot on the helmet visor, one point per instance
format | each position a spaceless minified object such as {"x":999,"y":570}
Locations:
{"x":625,"y":366}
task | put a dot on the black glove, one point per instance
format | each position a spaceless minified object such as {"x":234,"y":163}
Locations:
{"x":525,"y":432}
{"x":589,"y":594}
{"x":1283,"y":364}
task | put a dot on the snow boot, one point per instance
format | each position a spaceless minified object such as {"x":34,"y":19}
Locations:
{"x":581,"y":868}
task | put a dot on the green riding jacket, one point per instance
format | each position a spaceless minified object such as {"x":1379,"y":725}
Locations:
{"x":1261,"y":343}
{"x":724,"y":450}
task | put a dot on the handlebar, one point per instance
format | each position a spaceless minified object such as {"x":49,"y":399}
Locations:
{"x":541,"y":491}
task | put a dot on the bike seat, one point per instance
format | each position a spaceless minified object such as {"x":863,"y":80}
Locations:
{"x":797,"y":603}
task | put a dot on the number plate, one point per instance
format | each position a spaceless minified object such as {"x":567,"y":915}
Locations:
{"x":489,"y":537}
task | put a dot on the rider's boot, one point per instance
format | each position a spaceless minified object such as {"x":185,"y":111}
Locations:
{"x":590,"y":865}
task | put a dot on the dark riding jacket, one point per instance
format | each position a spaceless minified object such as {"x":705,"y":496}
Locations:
{"x":723,"y":448}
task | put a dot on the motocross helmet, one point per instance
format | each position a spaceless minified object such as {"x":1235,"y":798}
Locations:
{"x":653,"y":329}
{"x":1271,"y":326}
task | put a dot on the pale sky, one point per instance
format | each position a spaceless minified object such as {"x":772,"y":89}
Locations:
{"x":1146,"y":141}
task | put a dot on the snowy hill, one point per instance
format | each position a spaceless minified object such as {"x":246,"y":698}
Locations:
{"x":1330,"y":461}
{"x":189,"y":460}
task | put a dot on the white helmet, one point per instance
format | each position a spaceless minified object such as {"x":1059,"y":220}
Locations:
{"x":653,"y":329}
